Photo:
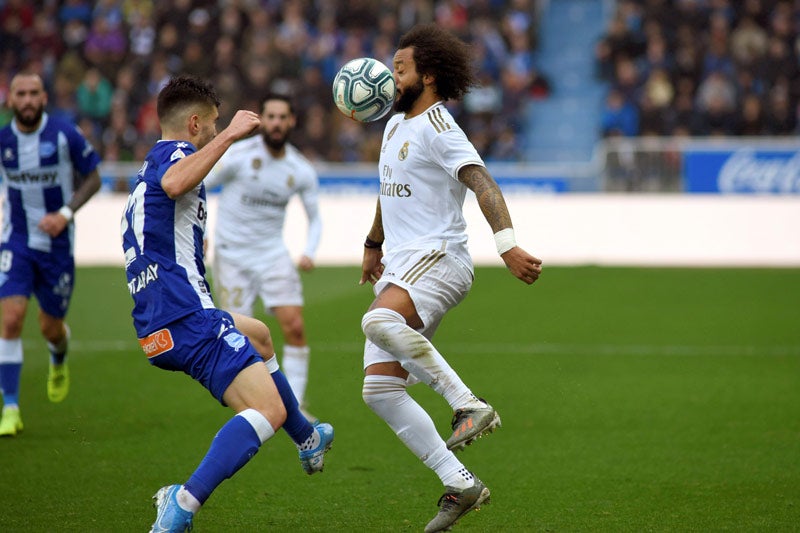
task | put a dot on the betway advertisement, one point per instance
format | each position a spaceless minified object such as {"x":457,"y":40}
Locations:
{"x":742,"y":171}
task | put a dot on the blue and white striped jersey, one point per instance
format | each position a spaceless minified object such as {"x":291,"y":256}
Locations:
{"x":163,"y":243}
{"x":38,"y":171}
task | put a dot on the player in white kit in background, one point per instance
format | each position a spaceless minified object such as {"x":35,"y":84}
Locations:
{"x":426,"y":166}
{"x":259,"y":176}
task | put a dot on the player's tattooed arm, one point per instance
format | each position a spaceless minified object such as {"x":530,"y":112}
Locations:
{"x":371,"y":265}
{"x":490,"y":198}
{"x":522,"y":265}
{"x":89,"y":185}
{"x":376,"y":231}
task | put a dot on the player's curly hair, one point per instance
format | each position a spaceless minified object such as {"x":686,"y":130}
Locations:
{"x":182,"y":92}
{"x":444,"y":56}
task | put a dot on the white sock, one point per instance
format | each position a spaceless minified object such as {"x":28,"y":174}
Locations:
{"x":187,"y":501}
{"x":388,"y":330}
{"x":63,"y":344}
{"x":11,"y":351}
{"x":388,"y":398}
{"x":295,"y":368}
{"x":311,"y":442}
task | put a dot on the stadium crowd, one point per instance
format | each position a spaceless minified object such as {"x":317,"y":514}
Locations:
{"x":104,"y":62}
{"x":701,"y":68}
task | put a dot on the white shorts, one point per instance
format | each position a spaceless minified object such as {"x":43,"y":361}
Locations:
{"x":436,"y":283}
{"x":236,"y":287}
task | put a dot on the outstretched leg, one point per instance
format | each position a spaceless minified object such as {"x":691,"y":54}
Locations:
{"x":473,"y":417}
{"x":388,"y":398}
{"x":312,"y":441}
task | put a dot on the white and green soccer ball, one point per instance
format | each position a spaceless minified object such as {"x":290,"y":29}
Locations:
{"x":364,"y":89}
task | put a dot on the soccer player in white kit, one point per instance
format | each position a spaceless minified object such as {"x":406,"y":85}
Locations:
{"x":426,"y":166}
{"x":259,"y":176}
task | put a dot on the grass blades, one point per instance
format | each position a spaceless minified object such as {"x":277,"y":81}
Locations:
{"x":632,"y":400}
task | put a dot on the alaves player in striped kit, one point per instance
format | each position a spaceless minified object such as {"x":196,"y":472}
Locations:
{"x":49,"y":170}
{"x":178,"y":326}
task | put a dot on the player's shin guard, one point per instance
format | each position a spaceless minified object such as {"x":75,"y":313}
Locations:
{"x":235,"y":444}
{"x":388,"y":330}
{"x":296,"y":426}
{"x":388,"y":398}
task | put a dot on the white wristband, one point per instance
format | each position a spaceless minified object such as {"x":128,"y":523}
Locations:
{"x":66,"y":212}
{"x":504,"y":240}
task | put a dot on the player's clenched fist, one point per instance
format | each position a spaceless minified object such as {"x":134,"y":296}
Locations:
{"x":243,"y":123}
{"x":522,"y":264}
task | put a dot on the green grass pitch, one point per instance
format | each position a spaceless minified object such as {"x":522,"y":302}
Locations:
{"x":632,"y":400}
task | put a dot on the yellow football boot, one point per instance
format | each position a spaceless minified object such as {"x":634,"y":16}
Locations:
{"x":11,"y":423}
{"x":57,"y":382}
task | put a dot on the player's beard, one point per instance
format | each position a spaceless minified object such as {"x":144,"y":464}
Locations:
{"x":408,"y":97}
{"x":275,"y":142}
{"x":28,"y":120}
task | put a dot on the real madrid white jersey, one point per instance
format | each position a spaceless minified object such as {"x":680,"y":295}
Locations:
{"x":256,"y":189}
{"x":420,"y":196}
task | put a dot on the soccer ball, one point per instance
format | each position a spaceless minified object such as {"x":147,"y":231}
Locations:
{"x":364,"y":89}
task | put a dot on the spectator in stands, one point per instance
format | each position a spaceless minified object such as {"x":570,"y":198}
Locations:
{"x":94,"y":97}
{"x":506,"y":147}
{"x":45,"y":41}
{"x":62,"y":101}
{"x":748,"y":42}
{"x":717,"y":57}
{"x":750,"y":121}
{"x":11,"y":37}
{"x":655,"y":101}
{"x":253,"y":45}
{"x":716,"y":104}
{"x":618,"y":42}
{"x":627,"y":79}
{"x":314,"y":136}
{"x":119,"y":138}
{"x":142,"y":38}
{"x":619,"y":116}
{"x":106,"y":45}
{"x":195,"y":61}
{"x":723,"y":57}
{"x":781,"y":118}
{"x":75,"y":10}
{"x":137,"y":10}
{"x":655,"y":57}
{"x":779,"y":61}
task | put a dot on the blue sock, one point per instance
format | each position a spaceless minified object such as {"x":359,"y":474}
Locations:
{"x":9,"y":382}
{"x":235,"y":444}
{"x":57,"y":358}
{"x":296,"y":425}
{"x":58,"y":352}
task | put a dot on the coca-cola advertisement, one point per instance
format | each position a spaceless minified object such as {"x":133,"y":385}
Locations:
{"x":742,"y":171}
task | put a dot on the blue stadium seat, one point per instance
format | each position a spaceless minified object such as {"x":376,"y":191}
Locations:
{"x":565,"y":127}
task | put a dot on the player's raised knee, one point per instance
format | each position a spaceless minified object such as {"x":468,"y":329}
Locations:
{"x":377,"y":320}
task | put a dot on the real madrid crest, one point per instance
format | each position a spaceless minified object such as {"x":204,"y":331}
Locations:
{"x":290,"y":181}
{"x":403,"y":152}
{"x":256,"y":163}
